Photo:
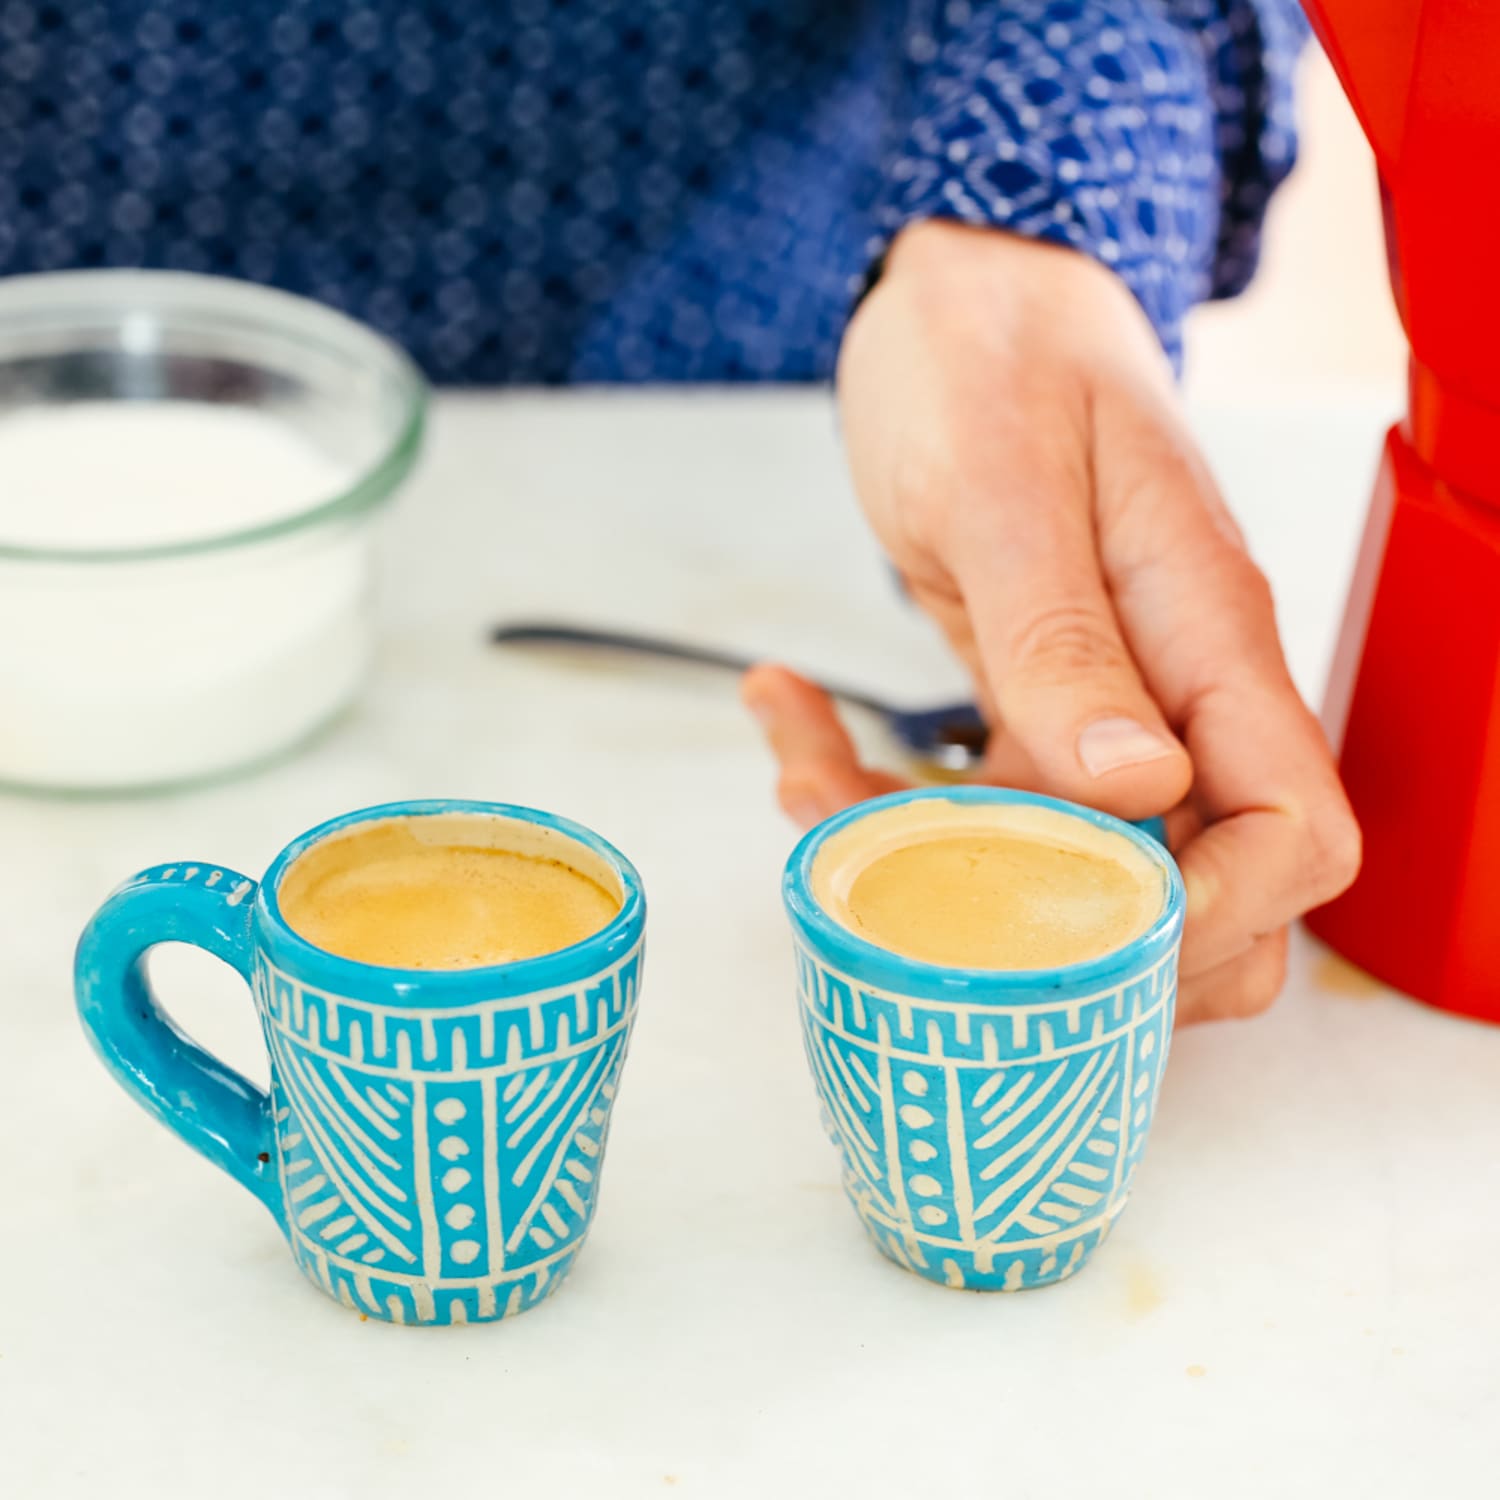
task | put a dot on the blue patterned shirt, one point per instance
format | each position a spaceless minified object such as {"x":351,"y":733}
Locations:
{"x":597,"y":190}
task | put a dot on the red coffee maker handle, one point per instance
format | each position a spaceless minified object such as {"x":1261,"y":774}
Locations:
{"x":1413,"y":705}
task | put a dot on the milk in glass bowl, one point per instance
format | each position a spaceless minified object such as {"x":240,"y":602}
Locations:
{"x":189,"y":468}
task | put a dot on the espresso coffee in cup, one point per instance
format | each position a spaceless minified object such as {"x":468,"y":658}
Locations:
{"x":988,"y":885}
{"x":439,"y":893}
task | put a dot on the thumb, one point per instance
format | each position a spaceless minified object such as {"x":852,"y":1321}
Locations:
{"x":1061,"y":675}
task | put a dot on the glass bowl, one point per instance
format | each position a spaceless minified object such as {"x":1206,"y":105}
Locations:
{"x":144,"y":645}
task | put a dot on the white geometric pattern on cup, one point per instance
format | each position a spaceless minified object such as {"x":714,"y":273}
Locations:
{"x":992,"y":1145}
{"x":499,"y":1112}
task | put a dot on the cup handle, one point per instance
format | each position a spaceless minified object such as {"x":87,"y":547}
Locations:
{"x":213,"y":1108}
{"x":1155,"y":828}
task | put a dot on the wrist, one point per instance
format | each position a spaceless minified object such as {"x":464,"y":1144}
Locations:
{"x":1008,"y":291}
{"x":946,"y":252}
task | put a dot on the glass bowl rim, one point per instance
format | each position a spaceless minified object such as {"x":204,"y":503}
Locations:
{"x":60,"y":298}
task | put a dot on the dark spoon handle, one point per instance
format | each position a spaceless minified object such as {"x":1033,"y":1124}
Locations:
{"x":538,"y":633}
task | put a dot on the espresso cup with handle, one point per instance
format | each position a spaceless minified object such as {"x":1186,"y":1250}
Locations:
{"x":431,"y":1141}
{"x":989,"y":1121}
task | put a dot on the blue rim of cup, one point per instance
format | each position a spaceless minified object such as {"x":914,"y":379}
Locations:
{"x":893,"y":971}
{"x":437,"y":987}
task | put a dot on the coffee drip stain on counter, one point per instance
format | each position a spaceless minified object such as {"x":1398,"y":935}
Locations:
{"x":1335,"y":975}
{"x":1143,"y":1291}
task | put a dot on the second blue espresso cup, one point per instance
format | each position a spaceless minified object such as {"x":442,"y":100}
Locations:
{"x":989,"y":1121}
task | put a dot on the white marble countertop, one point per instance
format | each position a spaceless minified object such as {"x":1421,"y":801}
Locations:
{"x":1300,"y":1300}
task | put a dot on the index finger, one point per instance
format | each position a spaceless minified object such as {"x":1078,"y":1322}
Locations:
{"x":1279,"y":836}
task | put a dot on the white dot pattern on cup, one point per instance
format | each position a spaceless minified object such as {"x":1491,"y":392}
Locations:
{"x":611,"y":191}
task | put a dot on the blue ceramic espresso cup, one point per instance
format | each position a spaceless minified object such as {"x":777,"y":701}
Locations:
{"x":990,"y":1122}
{"x":431,"y":1142}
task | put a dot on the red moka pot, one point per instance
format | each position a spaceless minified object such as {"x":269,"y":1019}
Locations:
{"x":1413,"y":704}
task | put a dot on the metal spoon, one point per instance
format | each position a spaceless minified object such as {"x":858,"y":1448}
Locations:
{"x":952,"y":736}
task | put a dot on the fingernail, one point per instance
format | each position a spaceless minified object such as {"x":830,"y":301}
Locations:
{"x":762,"y":712}
{"x":1111,"y":744}
{"x":805,"y":811}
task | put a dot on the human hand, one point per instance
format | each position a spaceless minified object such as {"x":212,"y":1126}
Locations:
{"x":1015,"y":441}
